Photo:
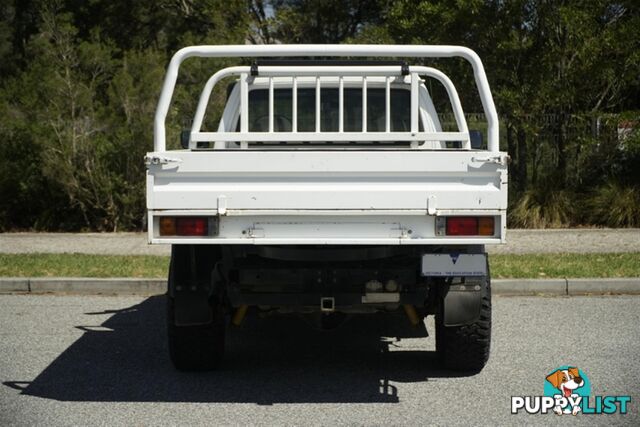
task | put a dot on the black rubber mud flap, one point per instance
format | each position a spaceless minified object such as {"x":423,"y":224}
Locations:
{"x":463,"y":324}
{"x":462,"y":304}
{"x":192,"y":308}
{"x":190,"y":284}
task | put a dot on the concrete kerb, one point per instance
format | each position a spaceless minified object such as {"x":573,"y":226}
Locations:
{"x":529,"y":286}
{"x":85,"y":285}
{"x":603,"y":286}
{"x":131,"y":286}
{"x":14,"y":284}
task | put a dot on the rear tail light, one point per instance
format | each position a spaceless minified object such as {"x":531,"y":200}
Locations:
{"x":192,"y":226}
{"x":462,"y":226}
{"x":465,"y":226}
{"x":187,"y":225}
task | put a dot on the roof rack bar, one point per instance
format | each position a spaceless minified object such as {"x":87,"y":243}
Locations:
{"x":271,"y":112}
{"x":294,"y":105}
{"x":246,"y":79}
{"x":325,"y":71}
{"x":418,"y":51}
{"x":255,"y":66}
{"x":414,"y":102}
{"x":244,"y":107}
{"x":318,"y":104}
{"x":364,"y":103}
{"x":387,"y":104}
{"x":341,"y":104}
{"x":244,"y":103}
{"x":329,"y":136}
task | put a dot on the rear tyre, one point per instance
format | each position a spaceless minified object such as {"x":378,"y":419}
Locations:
{"x":465,"y":348}
{"x":198,"y":347}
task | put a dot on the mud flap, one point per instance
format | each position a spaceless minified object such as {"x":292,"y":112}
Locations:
{"x":462,"y":303}
{"x":191,"y":284}
{"x":192,"y":308}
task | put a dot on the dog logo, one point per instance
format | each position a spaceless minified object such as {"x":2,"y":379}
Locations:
{"x":567,"y":382}
{"x":567,"y":390}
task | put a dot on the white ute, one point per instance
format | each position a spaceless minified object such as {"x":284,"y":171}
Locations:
{"x":329,"y":189}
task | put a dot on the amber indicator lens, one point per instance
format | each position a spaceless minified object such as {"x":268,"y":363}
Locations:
{"x":167,"y":226}
{"x":486,"y":226}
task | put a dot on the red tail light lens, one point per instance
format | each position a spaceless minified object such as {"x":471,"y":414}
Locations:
{"x":192,"y":226}
{"x":462,"y":226}
{"x":184,"y":226}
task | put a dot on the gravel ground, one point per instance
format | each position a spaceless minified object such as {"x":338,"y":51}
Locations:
{"x":86,"y":243}
{"x":519,"y":242}
{"x":103,"y":361}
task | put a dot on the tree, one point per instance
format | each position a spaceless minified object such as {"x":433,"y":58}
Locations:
{"x":78,"y":91}
{"x":312,"y":21}
{"x":542,"y":57}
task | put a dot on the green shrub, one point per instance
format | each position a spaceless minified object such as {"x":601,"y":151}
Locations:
{"x":542,"y":208}
{"x":615,"y":205}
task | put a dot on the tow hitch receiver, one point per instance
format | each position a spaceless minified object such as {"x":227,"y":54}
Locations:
{"x":327,"y":304}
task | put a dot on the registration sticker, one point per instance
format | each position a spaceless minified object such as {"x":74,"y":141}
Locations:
{"x":443,"y":265}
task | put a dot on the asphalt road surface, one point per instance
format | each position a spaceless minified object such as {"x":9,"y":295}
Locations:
{"x":67,"y":360}
{"x":581,"y":240}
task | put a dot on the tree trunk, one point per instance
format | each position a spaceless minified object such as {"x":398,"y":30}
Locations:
{"x":522,"y":172}
{"x":562,"y":155}
{"x":511,"y":150}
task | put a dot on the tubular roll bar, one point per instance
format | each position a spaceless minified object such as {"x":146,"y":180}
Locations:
{"x":424,"y":51}
{"x":293,"y":72}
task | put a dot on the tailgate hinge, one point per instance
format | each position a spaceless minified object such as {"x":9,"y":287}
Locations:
{"x":431,"y":205}
{"x":500,"y":160}
{"x":160,"y":160}
{"x":222,"y":205}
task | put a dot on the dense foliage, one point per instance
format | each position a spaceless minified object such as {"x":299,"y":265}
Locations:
{"x":80,"y":81}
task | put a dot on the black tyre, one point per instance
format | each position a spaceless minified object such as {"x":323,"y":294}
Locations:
{"x":466,"y":348}
{"x":195,"y":348}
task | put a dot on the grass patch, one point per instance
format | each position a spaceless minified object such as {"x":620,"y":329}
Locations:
{"x":535,"y":266}
{"x":542,"y":208}
{"x":82,"y":265}
{"x":542,"y":266}
{"x":615,"y":206}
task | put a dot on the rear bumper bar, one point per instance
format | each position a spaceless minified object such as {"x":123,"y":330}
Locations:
{"x":326,"y":228}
